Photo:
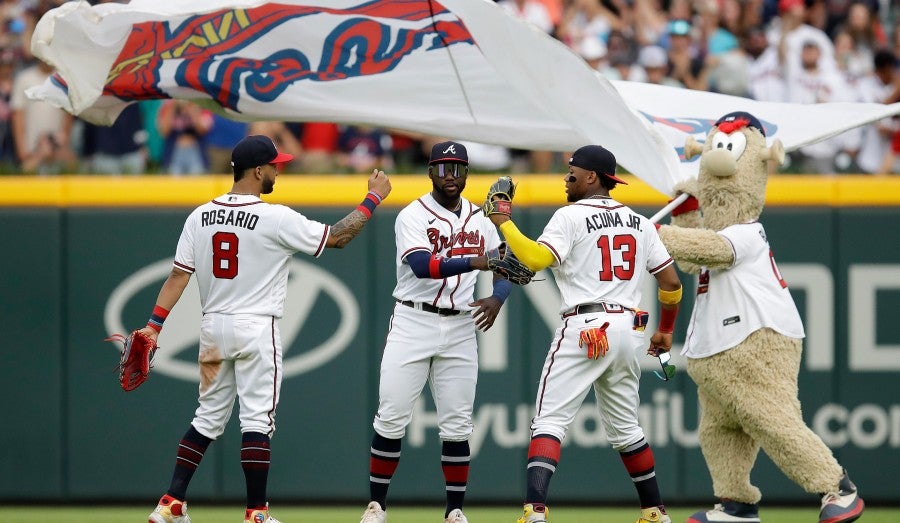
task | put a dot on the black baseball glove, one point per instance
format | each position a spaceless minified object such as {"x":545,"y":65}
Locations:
{"x":504,"y":263}
{"x":499,"y":197}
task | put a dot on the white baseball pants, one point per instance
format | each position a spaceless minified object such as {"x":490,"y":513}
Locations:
{"x":240,"y":356}
{"x":568,"y":374}
{"x":423,"y":346}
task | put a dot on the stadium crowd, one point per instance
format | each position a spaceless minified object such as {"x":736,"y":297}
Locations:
{"x":801,"y":51}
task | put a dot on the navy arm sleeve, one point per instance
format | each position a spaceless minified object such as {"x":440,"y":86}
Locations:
{"x":423,"y":265}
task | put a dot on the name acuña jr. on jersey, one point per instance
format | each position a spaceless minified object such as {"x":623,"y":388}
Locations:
{"x":607,"y":219}
{"x":244,"y":219}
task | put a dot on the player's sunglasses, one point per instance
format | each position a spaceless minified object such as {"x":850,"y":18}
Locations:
{"x":456,"y":170}
{"x":668,"y":370}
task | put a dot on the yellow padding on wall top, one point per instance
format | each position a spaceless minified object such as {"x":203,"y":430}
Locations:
{"x":343,"y":190}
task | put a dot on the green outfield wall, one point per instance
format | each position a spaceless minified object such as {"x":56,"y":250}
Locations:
{"x":77,"y":268}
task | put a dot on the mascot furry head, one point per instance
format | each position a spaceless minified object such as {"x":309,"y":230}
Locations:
{"x":733,"y":168}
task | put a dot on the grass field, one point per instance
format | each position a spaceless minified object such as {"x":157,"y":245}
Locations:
{"x":294,"y":514}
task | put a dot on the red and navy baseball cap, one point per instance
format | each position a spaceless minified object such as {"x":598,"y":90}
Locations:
{"x":738,"y":119}
{"x":596,"y":158}
{"x":445,"y":152}
{"x":256,"y":150}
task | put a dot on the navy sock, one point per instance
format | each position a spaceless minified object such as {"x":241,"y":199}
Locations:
{"x":190,"y":452}
{"x":384,"y":457}
{"x":455,"y":457}
{"x":255,"y":460}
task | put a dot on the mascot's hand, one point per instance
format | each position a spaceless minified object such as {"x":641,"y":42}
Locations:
{"x":691,"y":204}
{"x":691,"y":187}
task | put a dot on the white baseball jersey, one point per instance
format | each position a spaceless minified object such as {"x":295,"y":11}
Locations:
{"x":239,"y":248}
{"x":603,"y":252}
{"x":424,"y":346}
{"x":424,"y":225}
{"x":601,"y":248}
{"x":734,"y":302}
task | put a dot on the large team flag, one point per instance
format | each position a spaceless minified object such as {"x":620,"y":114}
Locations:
{"x":462,"y":69}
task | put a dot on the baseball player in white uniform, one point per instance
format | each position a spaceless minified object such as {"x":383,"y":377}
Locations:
{"x":239,"y":247}
{"x":442,"y":238}
{"x":599,"y":251}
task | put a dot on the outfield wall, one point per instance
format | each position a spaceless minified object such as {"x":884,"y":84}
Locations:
{"x":85,"y":258}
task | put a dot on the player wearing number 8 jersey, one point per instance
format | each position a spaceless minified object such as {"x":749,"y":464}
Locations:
{"x":239,"y":247}
{"x":599,"y":251}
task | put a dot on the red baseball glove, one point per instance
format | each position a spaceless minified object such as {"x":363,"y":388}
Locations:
{"x":138,"y":350}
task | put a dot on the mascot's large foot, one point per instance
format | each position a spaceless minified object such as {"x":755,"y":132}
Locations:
{"x":728,"y":512}
{"x":842,"y":506}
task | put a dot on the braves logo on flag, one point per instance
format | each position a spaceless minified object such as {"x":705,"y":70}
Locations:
{"x":697,"y":127}
{"x":215,"y":54}
{"x":396,"y":64}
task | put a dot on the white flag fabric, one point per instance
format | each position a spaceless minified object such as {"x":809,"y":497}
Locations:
{"x":463,"y":69}
{"x":677,"y":113}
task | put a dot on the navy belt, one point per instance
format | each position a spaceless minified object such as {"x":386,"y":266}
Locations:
{"x":427,"y":307}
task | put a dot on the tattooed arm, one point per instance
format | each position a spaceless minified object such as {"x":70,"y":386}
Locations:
{"x":346,"y":229}
{"x":351,"y":225}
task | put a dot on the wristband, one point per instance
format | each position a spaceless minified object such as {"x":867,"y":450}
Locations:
{"x":667,"y":320}
{"x":434,"y":267}
{"x":157,"y":318}
{"x":367,"y":206}
{"x":502,"y":288}
{"x":669,"y":297}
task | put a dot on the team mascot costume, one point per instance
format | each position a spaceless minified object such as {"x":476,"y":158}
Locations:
{"x":745,"y":337}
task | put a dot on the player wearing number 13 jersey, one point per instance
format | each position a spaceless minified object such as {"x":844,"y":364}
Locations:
{"x":239,"y":247}
{"x":599,"y":251}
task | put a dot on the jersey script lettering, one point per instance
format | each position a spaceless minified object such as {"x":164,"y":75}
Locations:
{"x":460,"y":243}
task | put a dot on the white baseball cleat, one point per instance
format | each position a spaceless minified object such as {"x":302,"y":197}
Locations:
{"x":169,"y":510}
{"x":374,"y":514}
{"x":456,"y":516}
{"x":727,"y":512}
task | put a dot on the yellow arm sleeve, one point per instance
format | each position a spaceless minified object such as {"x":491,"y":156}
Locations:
{"x":530,"y":252}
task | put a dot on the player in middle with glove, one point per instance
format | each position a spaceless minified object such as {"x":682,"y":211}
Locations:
{"x":442,"y":241}
{"x":599,"y":251}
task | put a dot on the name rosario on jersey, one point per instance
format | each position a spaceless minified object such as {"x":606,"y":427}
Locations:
{"x":460,"y":244}
{"x":608,"y":219}
{"x":244,"y":219}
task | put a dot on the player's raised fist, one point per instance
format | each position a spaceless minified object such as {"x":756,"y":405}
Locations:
{"x":380,"y":183}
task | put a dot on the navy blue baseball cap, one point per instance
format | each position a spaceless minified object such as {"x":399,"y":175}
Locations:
{"x":449,"y":152}
{"x":597,"y":159}
{"x":256,"y":150}
{"x":736,"y":120}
